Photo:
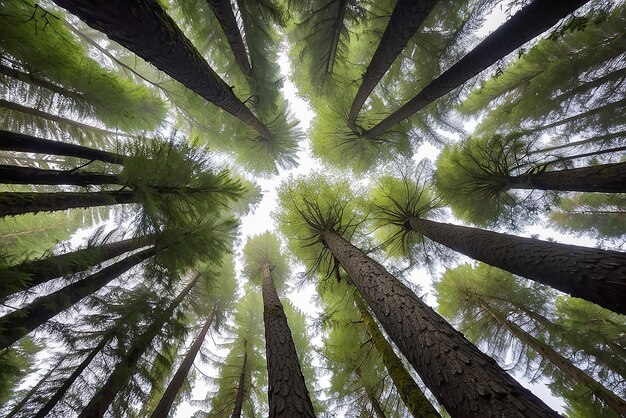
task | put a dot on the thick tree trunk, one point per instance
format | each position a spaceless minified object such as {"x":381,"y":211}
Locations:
{"x":607,"y":178}
{"x":563,"y":364}
{"x":17,"y":203}
{"x":596,"y":275}
{"x":144,"y":28}
{"x":242,"y":384}
{"x":287,"y":392}
{"x":162,"y":410}
{"x":62,"y":390}
{"x":464,"y":380}
{"x":18,"y":323}
{"x":11,"y":174}
{"x":123,"y":371}
{"x":526,"y":24}
{"x":42,"y":270}
{"x":11,"y":141}
{"x":39,"y":82}
{"x":410,"y":393}
{"x":223,"y":11}
{"x":407,"y":16}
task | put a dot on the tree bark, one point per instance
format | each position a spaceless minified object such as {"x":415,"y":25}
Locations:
{"x":526,"y":24}
{"x":378,"y":410}
{"x":39,"y":82}
{"x":464,"y":380}
{"x":406,"y":18}
{"x":223,"y":11}
{"x":45,"y":269}
{"x":144,"y":28}
{"x":596,"y":275}
{"x":563,"y":364}
{"x":123,"y":371}
{"x":17,"y":324}
{"x":17,"y":203}
{"x":287,"y":392}
{"x":241,"y":386}
{"x":11,"y":141}
{"x":162,"y":410}
{"x":11,"y":174}
{"x":410,"y":393}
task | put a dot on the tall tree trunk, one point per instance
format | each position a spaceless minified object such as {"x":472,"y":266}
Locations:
{"x":17,"y":203}
{"x":378,"y":410}
{"x":242,"y":384}
{"x":144,"y":28}
{"x":595,"y":140}
{"x":410,"y":393}
{"x":464,"y":380}
{"x":563,"y":364}
{"x":11,"y":174}
{"x":596,"y":275}
{"x":162,"y":410}
{"x":17,"y":324}
{"x":39,"y":82}
{"x":123,"y":371}
{"x":526,"y":24}
{"x":62,"y":390}
{"x":42,"y":270}
{"x":596,"y":82}
{"x":287,"y":392}
{"x":223,"y":11}
{"x":11,"y":141}
{"x":407,"y":16}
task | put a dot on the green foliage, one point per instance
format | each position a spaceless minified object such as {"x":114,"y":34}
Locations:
{"x":15,"y":363}
{"x":261,"y":250}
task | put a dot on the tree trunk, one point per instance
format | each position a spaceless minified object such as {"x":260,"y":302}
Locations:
{"x":11,"y":141}
{"x":11,"y":174}
{"x":464,"y":380}
{"x":39,"y":82}
{"x":595,"y":140}
{"x":563,"y":364}
{"x":378,"y":410}
{"x":45,"y":269}
{"x":410,"y":393}
{"x":526,"y":24}
{"x":287,"y":392}
{"x":144,"y":28}
{"x":242,"y":385}
{"x":123,"y":371}
{"x":61,"y":391}
{"x":407,"y":16}
{"x":17,"y":203}
{"x":607,"y":178}
{"x":223,"y":11}
{"x":17,"y":324}
{"x":596,"y":82}
{"x":596,"y":275}
{"x":162,"y":410}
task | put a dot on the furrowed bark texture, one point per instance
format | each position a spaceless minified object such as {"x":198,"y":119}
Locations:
{"x":16,"y":203}
{"x":226,"y":17}
{"x":407,"y":16}
{"x":464,"y":380}
{"x":11,"y":174}
{"x":101,"y":401}
{"x":242,"y":385}
{"x":563,"y":364}
{"x":526,"y":24}
{"x":410,"y":393}
{"x":144,"y":28}
{"x":287,"y":392}
{"x":11,"y":141}
{"x":596,"y":275}
{"x":18,"y":323}
{"x":162,"y":410}
{"x":40,"y":271}
{"x":608,"y":178}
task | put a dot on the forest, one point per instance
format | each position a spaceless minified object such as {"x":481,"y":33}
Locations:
{"x":320,"y":208}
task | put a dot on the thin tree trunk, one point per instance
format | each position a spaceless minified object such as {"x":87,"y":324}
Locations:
{"x":596,"y":275}
{"x":19,"y":323}
{"x":17,"y":203}
{"x":287,"y":392}
{"x":336,"y":35}
{"x":464,"y":380}
{"x":242,"y":384}
{"x":594,"y":140}
{"x":144,"y":28}
{"x":223,"y":11}
{"x":11,"y":174}
{"x":406,"y":18}
{"x":123,"y":371}
{"x":526,"y":24}
{"x":378,"y":410}
{"x":410,"y":393}
{"x":11,"y":141}
{"x":40,"y":82}
{"x":597,"y":82}
{"x":162,"y":410}
{"x":563,"y":364}
{"x":61,"y":391}
{"x":45,"y":269}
